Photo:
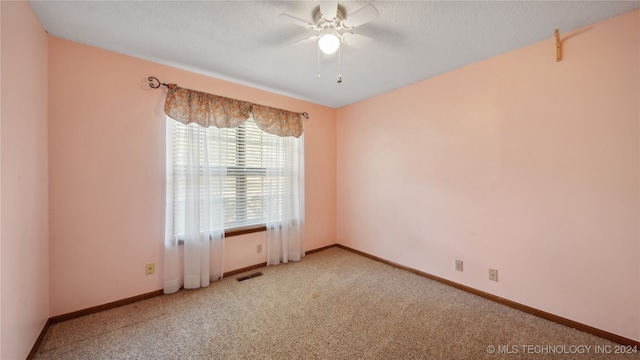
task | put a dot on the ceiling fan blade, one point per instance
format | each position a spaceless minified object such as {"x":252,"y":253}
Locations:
{"x":304,"y":41}
{"x":295,"y":21}
{"x":361,"y":16}
{"x":329,"y":9}
{"x":355,"y":40}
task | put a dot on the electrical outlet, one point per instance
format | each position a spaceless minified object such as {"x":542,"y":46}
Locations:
{"x":493,"y":274}
{"x":459,"y":265}
{"x":259,"y":248}
{"x":150,"y":269}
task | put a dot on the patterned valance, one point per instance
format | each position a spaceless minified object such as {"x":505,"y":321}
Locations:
{"x":187,"y":106}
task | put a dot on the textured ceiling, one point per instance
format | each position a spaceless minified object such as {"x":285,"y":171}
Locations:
{"x":247,"y":43}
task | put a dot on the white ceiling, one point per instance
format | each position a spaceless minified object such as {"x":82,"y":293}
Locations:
{"x":247,"y":43}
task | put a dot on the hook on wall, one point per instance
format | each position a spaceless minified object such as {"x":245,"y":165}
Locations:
{"x":558,"y":46}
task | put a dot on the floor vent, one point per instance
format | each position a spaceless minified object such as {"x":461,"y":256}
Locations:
{"x":243,"y":278}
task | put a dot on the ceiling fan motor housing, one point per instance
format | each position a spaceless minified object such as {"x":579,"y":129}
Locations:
{"x":336,"y":23}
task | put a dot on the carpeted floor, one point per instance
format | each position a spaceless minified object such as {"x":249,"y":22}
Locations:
{"x":333,"y":304}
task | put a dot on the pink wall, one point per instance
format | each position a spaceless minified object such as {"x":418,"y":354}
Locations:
{"x":516,"y":163}
{"x":0,"y":185}
{"x":24,"y":204}
{"x":106,"y":156}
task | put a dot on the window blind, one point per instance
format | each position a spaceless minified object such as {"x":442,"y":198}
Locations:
{"x":237,"y":156}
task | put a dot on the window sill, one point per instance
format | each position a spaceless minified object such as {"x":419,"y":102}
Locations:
{"x":238,"y":231}
{"x":244,"y":230}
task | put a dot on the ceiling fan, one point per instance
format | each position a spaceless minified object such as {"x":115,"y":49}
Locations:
{"x":334,"y":27}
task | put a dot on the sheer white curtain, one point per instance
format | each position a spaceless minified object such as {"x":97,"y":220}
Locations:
{"x":194,"y":227}
{"x":284,"y":200}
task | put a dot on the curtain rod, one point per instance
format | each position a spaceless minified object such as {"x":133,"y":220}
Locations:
{"x":155,"y":83}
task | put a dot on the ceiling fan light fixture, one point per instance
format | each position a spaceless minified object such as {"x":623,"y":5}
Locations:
{"x":329,"y":43}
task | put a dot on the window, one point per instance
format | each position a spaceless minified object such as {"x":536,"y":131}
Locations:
{"x":245,"y":179}
{"x":245,"y":160}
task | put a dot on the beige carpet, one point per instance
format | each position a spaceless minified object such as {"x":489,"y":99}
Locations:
{"x":334,"y":304}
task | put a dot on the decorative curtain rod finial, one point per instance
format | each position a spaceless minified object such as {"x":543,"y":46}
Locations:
{"x":154,"y":83}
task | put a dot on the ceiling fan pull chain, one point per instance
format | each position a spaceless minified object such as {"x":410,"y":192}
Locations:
{"x":318,"y":58}
{"x":339,"y":79}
